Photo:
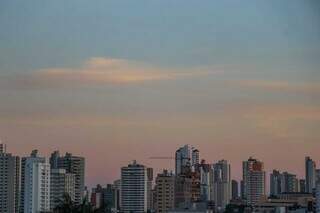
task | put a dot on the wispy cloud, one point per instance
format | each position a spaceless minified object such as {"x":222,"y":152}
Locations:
{"x":285,"y":86}
{"x":100,"y":71}
{"x":286,"y":120}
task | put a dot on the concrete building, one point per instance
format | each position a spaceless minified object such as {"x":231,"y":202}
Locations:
{"x":185,"y":157}
{"x":32,"y":158}
{"x":109,"y":196}
{"x":134,"y":188}
{"x":254,"y":180}
{"x":194,"y":207}
{"x":302,"y":185}
{"x":242,"y":191}
{"x":283,"y":183}
{"x":234,"y":189}
{"x":182,"y":190}
{"x":222,"y":185}
{"x":37,"y":186}
{"x":206,"y":181}
{"x":97,"y":197}
{"x":317,"y":175}
{"x":182,"y":159}
{"x":275,"y":183}
{"x":195,"y":186}
{"x":289,"y":183}
{"x":61,"y":183}
{"x":74,"y":165}
{"x":164,"y":192}
{"x":318,"y":197}
{"x":283,"y":205}
{"x":117,"y":194}
{"x":149,"y":188}
{"x":310,"y":167}
{"x":9,"y":181}
{"x":2,"y":147}
{"x":106,"y":197}
{"x":195,"y":157}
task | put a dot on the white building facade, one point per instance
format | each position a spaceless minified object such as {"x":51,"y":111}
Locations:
{"x":37,"y":186}
{"x":134,"y":188}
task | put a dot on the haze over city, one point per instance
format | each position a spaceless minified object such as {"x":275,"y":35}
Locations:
{"x":115,"y":81}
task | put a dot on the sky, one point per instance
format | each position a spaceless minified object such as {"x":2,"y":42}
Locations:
{"x":117,"y":80}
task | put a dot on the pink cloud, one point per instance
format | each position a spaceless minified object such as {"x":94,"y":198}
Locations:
{"x":99,"y":71}
{"x":286,"y":86}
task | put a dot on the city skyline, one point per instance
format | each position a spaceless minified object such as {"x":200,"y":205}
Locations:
{"x":171,"y":169}
{"x":115,"y":81}
{"x":194,"y":183}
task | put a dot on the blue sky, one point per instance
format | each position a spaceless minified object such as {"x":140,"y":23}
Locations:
{"x":269,"y":34}
{"x":103,"y":77}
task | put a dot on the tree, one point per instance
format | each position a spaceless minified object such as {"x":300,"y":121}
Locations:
{"x":66,"y":205}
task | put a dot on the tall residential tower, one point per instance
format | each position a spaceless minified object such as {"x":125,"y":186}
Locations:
{"x":9,"y":181}
{"x":222,"y":184}
{"x":33,"y":158}
{"x":37,"y":186}
{"x":253,"y":180}
{"x":310,"y":167}
{"x":164,"y":190}
{"x":73,"y":165}
{"x":134,"y":188}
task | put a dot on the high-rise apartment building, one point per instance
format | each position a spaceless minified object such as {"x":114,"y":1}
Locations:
{"x":149,"y":188}
{"x":195,"y":186}
{"x":54,"y":160}
{"x":9,"y":181}
{"x":242,"y":191}
{"x":253,"y":180}
{"x":289,"y":183}
{"x":317,"y":175}
{"x":32,"y":158}
{"x":187,"y":172}
{"x":164,"y":192}
{"x":222,"y":184}
{"x":206,"y":181}
{"x":283,"y":183}
{"x":61,"y":183}
{"x":318,"y":197}
{"x":109,"y":197}
{"x":106,"y":197}
{"x":37,"y":186}
{"x":275,"y":183}
{"x":182,"y":190}
{"x":2,"y":147}
{"x":195,"y":157}
{"x":310,"y":167}
{"x":134,"y":188}
{"x":185,"y":157}
{"x":97,"y":197}
{"x":235,"y":189}
{"x":117,"y":194}
{"x":302,"y":185}
{"x":74,"y":165}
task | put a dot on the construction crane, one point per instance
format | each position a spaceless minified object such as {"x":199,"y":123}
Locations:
{"x":161,"y":158}
{"x":164,"y":158}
